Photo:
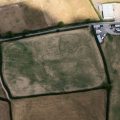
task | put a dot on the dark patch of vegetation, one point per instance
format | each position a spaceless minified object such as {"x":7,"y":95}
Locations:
{"x":110,"y":37}
{"x":106,"y":86}
{"x":116,"y":111}
{"x":61,"y":24}
{"x":92,"y":31}
{"x":7,"y":34}
{"x":87,"y":20}
{"x":115,"y":71}
{"x":24,"y":32}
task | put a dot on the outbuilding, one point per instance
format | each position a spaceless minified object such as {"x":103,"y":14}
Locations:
{"x":108,"y":11}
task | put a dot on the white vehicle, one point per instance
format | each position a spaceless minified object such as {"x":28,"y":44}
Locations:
{"x":117,"y":26}
{"x":117,"y":30}
{"x":98,"y":31}
{"x":100,"y":40}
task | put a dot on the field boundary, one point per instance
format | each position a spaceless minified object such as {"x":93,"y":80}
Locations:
{"x":59,"y":93}
{"x":54,"y":29}
{"x":6,"y":88}
{"x":107,"y":75}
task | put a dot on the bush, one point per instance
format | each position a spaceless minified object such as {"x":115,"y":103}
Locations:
{"x":110,"y":37}
{"x":61,"y":24}
{"x":7,"y":34}
{"x":106,"y":86}
{"x":87,"y":20}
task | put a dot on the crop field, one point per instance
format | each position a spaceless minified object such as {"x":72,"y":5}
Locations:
{"x":59,"y":62}
{"x":74,"y":106}
{"x":11,"y":19}
{"x":74,"y":10}
{"x":8,"y":2}
{"x":111,"y":49}
{"x":4,"y":111}
{"x":30,"y":15}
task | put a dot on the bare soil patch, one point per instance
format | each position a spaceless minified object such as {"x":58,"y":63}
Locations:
{"x":4,"y":111}
{"x":11,"y":19}
{"x":76,"y":106}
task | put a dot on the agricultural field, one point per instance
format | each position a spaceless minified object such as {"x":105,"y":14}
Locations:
{"x":53,"y":63}
{"x":11,"y":19}
{"x":75,"y":106}
{"x":36,"y":14}
{"x":74,"y":10}
{"x":111,"y":49}
{"x":8,"y":2}
{"x":4,"y":111}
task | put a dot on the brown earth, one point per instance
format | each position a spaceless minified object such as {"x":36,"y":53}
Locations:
{"x":111,"y":49}
{"x":59,"y":62}
{"x":4,"y":111}
{"x":11,"y":19}
{"x":75,"y":106}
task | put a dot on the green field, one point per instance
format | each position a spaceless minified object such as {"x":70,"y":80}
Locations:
{"x":52,"y":63}
{"x":111,"y":49}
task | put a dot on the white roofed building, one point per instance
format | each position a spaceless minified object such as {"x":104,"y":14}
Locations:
{"x":108,"y":11}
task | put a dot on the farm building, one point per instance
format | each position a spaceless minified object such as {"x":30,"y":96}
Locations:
{"x":110,"y":11}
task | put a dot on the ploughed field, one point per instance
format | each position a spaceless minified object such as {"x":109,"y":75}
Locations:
{"x":75,"y":106}
{"x":53,"y":63}
{"x":111,"y":49}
